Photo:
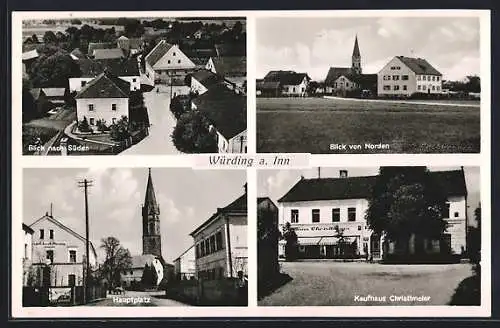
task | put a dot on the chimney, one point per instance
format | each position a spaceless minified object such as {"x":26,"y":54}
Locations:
{"x":343,"y":173}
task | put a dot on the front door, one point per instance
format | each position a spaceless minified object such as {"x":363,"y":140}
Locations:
{"x":71,"y":280}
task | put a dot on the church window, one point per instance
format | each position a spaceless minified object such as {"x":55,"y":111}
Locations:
{"x":404,"y":78}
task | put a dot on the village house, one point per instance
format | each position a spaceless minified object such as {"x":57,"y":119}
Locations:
{"x":93,"y":46}
{"x":105,"y":99}
{"x":233,"y":69}
{"x":291,"y":84}
{"x":227,"y":111}
{"x":203,"y":80}
{"x":406,"y":76}
{"x":130,"y":45}
{"x":62,"y":250}
{"x":185,"y":264}
{"x":267,"y":89}
{"x":320,"y":207}
{"x":126,"y":69}
{"x":221,"y":242}
{"x":166,"y":61}
{"x":27,"y":254}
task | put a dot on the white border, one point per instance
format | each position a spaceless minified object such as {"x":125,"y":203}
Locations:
{"x":483,"y":160}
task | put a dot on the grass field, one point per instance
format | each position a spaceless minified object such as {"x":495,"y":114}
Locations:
{"x":311,"y":125}
{"x":338,"y":283}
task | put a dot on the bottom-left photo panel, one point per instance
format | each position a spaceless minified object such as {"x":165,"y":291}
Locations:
{"x":134,"y":237}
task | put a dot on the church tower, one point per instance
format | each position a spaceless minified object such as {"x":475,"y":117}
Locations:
{"x":151,"y":238}
{"x":356,"y":58}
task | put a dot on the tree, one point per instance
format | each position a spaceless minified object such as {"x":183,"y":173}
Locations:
{"x":83,"y":125}
{"x":311,"y":87}
{"x":54,"y":68}
{"x":34,"y":38}
{"x":406,"y":201}
{"x":473,"y":84}
{"x":133,"y":28}
{"x":30,"y":109}
{"x":117,"y":259}
{"x":192,"y":135}
{"x":120,"y":130}
{"x":291,"y":246}
{"x":149,"y":276}
{"x":76,"y":21}
{"x":49,"y":37}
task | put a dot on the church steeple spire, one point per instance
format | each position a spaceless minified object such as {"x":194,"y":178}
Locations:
{"x":356,"y":57}
{"x":151,"y":237}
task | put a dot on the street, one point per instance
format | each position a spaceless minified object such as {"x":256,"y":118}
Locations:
{"x":346,"y":284}
{"x":158,"y":142}
{"x":137,"y":298}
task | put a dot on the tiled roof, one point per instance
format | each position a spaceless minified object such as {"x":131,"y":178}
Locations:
{"x":335,"y":72}
{"x":263,"y":85}
{"x":117,"y":66}
{"x":99,"y":45}
{"x":78,"y":53}
{"x":452,"y":182}
{"x":54,"y":92}
{"x":419,"y":65}
{"x":105,"y":85}
{"x":32,"y":54}
{"x":230,"y":66}
{"x":225,"y":109}
{"x":158,"y":52}
{"x":237,"y":206}
{"x":108,"y":53}
{"x":206,"y":78}
{"x":285,"y":77}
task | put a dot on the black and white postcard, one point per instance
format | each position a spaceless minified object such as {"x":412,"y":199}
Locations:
{"x":392,"y":84}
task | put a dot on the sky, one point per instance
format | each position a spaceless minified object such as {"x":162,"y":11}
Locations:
{"x":186,"y":197}
{"x":312,"y":45}
{"x":276,"y":183}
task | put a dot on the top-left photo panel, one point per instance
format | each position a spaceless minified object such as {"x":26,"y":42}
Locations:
{"x":132,"y":85}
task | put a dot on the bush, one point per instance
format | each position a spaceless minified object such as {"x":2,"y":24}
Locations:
{"x":101,"y":126}
{"x":83,"y":125}
{"x":120,"y":130}
{"x":191,"y":134}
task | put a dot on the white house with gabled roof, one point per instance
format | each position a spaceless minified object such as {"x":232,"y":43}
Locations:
{"x":165,"y":61}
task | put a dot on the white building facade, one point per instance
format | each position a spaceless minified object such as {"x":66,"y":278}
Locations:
{"x":404,"y":76}
{"x":166,"y":61}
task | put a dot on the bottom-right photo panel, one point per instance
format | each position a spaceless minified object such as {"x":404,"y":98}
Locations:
{"x":403,"y":235}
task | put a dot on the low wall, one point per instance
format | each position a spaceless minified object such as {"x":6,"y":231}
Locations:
{"x":209,"y":292}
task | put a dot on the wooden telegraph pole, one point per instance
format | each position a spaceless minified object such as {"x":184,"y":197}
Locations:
{"x":85,"y":184}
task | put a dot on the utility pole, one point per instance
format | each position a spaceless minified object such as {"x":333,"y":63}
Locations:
{"x":85,"y":184}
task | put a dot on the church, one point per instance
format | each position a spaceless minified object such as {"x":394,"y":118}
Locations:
{"x":151,"y":244}
{"x":350,"y":81}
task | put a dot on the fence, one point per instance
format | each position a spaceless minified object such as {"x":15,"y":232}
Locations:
{"x":220,"y":292}
{"x":60,"y":296}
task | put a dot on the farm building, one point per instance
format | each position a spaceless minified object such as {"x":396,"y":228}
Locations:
{"x":290,"y":83}
{"x":406,"y":76}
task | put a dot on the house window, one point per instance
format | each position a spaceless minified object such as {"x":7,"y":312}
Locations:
{"x":218,"y":240}
{"x":395,"y":77}
{"x":359,"y":228}
{"x":202,"y":248}
{"x":418,"y":77}
{"x":50,"y":255}
{"x":168,"y":61}
{"x":131,"y":272}
{"x":424,"y":87}
{"x":173,"y":53}
{"x":456,"y":214}
{"x":336,"y":215}
{"x":404,"y":78}
{"x":387,"y":87}
{"x":423,"y":77}
{"x":71,"y":280}
{"x":446,"y":211}
{"x":51,"y":234}
{"x":82,"y":83}
{"x":419,"y":87}
{"x":113,"y":106}
{"x":25,"y":251}
{"x":72,"y":256}
{"x":347,"y":84}
{"x":179,"y":61}
{"x":437,"y":78}
{"x":405,"y":87}
{"x":42,"y":234}
{"x":134,"y":80}
{"x":91,"y":107}
{"x":212,"y":244}
{"x":197,"y":251}
{"x":396,"y":87}
{"x":438,"y":88}
{"x":294,"y":216}
{"x":433,"y":78}
{"x":315,"y":215}
{"x":351,"y":214}
{"x":91,"y":121}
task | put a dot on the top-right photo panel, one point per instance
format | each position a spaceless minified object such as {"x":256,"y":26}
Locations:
{"x":355,"y":85}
